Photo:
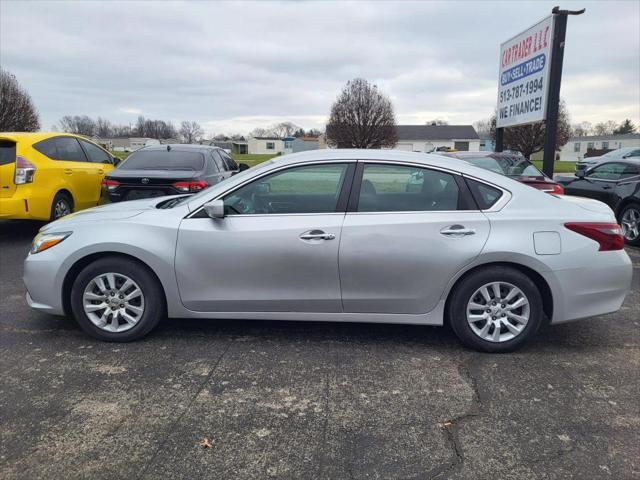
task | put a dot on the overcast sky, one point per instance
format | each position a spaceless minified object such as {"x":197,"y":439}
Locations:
{"x":236,"y":66}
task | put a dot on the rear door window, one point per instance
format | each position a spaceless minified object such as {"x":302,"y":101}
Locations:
{"x":68,"y":149}
{"x":398,"y":188}
{"x":7,"y":152}
{"x":95,"y":154}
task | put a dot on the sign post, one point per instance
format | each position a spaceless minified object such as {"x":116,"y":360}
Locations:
{"x":529,"y":80}
{"x":551,"y":130}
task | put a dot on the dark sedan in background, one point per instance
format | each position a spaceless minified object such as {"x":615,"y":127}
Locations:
{"x":160,"y":170}
{"x":511,"y":165}
{"x":618,"y":185}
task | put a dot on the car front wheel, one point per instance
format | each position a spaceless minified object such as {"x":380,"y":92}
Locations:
{"x":495,"y":309}
{"x":117,"y":300}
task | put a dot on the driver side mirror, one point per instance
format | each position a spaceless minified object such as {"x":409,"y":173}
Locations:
{"x":580,"y":173}
{"x":242,"y":167}
{"x":116,"y":161}
{"x":214,"y":209}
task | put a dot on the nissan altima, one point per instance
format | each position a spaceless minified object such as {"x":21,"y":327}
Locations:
{"x":338,"y":235}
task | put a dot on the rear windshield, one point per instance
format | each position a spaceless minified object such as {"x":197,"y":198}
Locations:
{"x":510,"y":166}
{"x":163,"y":160}
{"x":7,"y":152}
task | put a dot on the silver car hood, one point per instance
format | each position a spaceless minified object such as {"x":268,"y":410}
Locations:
{"x":111,"y":211}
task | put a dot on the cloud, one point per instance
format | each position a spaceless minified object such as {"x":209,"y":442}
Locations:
{"x":233,"y":66}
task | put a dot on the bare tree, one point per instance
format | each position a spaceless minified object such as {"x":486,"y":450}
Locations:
{"x":261,"y":132}
{"x":190,"y":132}
{"x":605,"y":128}
{"x":362,"y":117}
{"x":284,"y":129}
{"x":529,"y":139}
{"x":582,"y":129}
{"x":103,"y":128}
{"x":437,"y":121}
{"x":17,"y":112}
{"x":483,"y":127}
{"x":78,"y":124}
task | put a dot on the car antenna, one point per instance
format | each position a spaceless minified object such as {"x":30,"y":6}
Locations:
{"x":168,"y":148}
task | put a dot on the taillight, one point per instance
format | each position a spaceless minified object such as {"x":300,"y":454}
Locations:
{"x":25,"y":170}
{"x":608,"y":235}
{"x":558,"y":189}
{"x":110,"y":184}
{"x":194,"y":186}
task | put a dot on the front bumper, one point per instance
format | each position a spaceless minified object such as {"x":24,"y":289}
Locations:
{"x":44,"y":287}
{"x":595,"y":289}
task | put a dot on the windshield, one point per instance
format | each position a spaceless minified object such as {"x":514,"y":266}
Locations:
{"x":510,"y":166}
{"x":163,"y":160}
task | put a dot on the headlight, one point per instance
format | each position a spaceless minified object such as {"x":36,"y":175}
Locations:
{"x":47,"y":240}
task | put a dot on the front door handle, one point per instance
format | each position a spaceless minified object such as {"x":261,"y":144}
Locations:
{"x":317,"y":235}
{"x":68,"y":171}
{"x":607,"y":187}
{"x":457,"y":231}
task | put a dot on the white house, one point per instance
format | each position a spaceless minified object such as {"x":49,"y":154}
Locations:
{"x":426,"y":138}
{"x":577,"y":147}
{"x":126,"y":144}
{"x":264,"y":145}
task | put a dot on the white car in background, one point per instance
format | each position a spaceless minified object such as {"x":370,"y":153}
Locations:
{"x":619,"y":154}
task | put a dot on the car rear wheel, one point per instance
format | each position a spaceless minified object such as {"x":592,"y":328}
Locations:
{"x":630,"y":222}
{"x":62,"y":205}
{"x":495,"y":309}
{"x":117,"y":300}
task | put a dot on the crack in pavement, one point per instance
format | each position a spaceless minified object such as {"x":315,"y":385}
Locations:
{"x":451,"y":426}
{"x":171,"y":428}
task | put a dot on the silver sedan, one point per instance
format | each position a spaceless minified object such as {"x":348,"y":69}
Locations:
{"x":338,"y":235}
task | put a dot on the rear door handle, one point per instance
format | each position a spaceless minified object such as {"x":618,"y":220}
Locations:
{"x":317,"y":235}
{"x":457,"y":231}
{"x":68,"y":171}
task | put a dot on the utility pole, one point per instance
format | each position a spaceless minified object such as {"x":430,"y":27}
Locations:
{"x":555,"y":76}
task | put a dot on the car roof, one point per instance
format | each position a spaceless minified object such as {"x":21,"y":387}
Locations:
{"x":34,"y":137}
{"x":179,"y":147}
{"x":465,"y":155}
{"x":384,"y":155}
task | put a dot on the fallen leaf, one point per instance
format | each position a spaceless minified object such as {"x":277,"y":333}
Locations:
{"x":205,"y":443}
{"x":446,"y":424}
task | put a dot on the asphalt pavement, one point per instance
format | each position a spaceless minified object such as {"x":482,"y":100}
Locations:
{"x":249,"y":399}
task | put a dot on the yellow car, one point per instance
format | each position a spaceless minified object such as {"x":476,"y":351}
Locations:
{"x":44,"y":176}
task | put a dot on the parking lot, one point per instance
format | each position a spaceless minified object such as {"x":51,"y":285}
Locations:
{"x":311,"y":400}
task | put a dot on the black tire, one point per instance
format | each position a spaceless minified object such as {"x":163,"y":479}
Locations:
{"x":632,"y":206}
{"x":62,"y":200}
{"x":457,"y":311}
{"x":154,"y":309}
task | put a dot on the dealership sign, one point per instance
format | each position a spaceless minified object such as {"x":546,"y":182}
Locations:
{"x":525,"y":63}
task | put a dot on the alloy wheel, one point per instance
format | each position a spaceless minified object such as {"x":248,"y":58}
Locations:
{"x":113,"y":302}
{"x":498,"y":312}
{"x":61,"y":208}
{"x":631,"y":224}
